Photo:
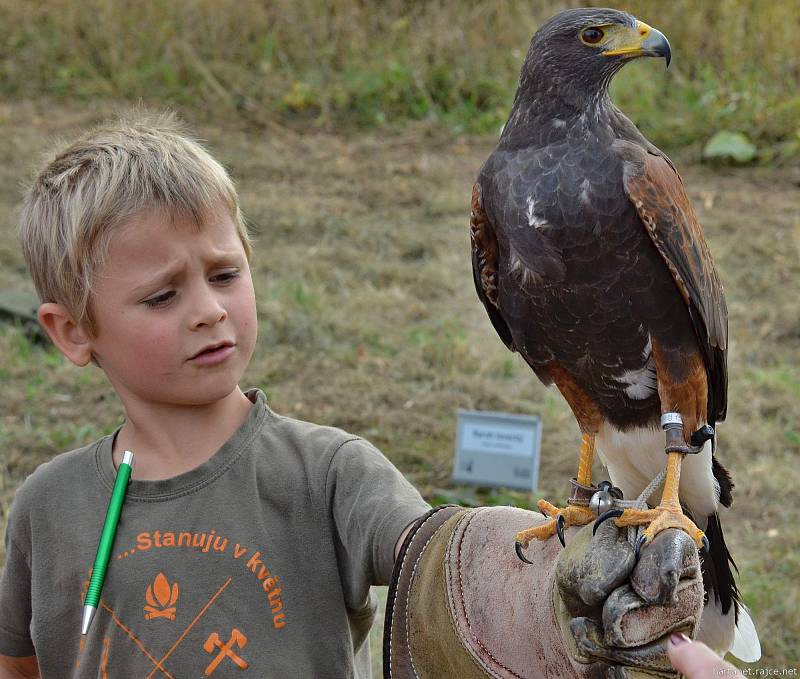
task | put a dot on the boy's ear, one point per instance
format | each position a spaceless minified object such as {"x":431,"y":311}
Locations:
{"x":67,"y":335}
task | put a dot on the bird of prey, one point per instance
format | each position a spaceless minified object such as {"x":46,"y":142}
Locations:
{"x":591,"y":264}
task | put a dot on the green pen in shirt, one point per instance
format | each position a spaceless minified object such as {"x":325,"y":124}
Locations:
{"x":92,"y":600}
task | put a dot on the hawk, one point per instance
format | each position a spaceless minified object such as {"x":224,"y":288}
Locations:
{"x":591,"y":264}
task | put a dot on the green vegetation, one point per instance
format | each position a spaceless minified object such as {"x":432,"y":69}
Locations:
{"x":346,"y":62}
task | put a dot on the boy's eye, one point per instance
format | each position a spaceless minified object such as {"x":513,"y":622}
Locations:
{"x":160,"y":300}
{"x":226,"y":277}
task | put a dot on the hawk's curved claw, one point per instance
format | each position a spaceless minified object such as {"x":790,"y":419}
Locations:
{"x":706,"y":545}
{"x":610,"y":514}
{"x":560,"y":522}
{"x":518,"y":550}
{"x":640,"y":542}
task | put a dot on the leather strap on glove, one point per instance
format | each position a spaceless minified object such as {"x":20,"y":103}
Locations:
{"x":462,"y":605}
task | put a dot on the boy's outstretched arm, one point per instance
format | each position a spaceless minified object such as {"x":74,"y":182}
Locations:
{"x":19,"y":668}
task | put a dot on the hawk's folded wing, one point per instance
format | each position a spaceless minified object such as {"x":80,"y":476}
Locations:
{"x":659,"y":197}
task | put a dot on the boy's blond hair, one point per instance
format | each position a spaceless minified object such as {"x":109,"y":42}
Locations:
{"x":102,"y":180}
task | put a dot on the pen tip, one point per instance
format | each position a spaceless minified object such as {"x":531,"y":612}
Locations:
{"x":88,"y":614}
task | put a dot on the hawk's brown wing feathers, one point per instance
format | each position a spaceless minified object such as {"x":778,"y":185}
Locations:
{"x":665,"y":210}
{"x":484,"y":264}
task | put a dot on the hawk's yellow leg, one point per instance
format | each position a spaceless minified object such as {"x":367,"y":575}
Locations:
{"x":668,"y":514}
{"x":574,"y":515}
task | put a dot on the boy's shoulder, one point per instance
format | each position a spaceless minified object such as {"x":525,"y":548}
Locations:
{"x":42,"y":495}
{"x":66,"y":470}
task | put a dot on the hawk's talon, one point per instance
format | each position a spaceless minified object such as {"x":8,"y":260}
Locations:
{"x":610,"y":514}
{"x":640,"y":542}
{"x":706,"y":545}
{"x":518,"y":550}
{"x":571,"y":515}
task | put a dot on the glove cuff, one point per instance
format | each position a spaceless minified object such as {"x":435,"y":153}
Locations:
{"x":398,"y":659}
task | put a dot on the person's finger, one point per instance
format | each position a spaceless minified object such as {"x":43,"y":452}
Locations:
{"x":695,"y":660}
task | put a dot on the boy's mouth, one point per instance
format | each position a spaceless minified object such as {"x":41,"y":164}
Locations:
{"x":211,"y":348}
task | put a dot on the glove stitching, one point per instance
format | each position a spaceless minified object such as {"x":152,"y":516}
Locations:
{"x":408,"y":594}
{"x":464,"y":608}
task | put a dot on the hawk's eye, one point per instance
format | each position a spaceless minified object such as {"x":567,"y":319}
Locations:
{"x":592,"y":36}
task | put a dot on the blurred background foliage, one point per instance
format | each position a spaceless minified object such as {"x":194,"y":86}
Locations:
{"x":355,"y":63}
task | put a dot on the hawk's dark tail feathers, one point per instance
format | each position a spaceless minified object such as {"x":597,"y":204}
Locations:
{"x":725,"y":482}
{"x":718,"y":579}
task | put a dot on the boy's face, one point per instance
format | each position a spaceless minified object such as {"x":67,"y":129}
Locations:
{"x":165,"y":293}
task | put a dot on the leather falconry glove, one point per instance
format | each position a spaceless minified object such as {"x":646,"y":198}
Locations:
{"x":461,"y":604}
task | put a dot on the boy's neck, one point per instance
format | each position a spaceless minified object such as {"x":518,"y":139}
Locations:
{"x":172,"y":441}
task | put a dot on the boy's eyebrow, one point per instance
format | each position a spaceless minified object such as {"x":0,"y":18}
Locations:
{"x":158,"y":279}
{"x":173,"y":272}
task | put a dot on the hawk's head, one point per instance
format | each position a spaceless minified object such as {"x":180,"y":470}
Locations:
{"x":580,"y":50}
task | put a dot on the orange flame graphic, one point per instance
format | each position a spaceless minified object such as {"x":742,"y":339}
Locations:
{"x":161,"y":598}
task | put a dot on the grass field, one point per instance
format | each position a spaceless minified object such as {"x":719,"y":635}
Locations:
{"x":334,"y":63}
{"x":369,"y":321}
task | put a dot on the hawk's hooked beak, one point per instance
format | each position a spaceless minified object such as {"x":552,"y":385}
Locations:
{"x":645,"y":41}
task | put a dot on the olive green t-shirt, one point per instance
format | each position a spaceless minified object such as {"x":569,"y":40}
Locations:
{"x":258,"y":563}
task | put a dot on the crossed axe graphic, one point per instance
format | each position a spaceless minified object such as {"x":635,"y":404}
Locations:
{"x":225,"y":651}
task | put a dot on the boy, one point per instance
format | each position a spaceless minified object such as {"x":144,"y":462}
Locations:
{"x":248,"y":540}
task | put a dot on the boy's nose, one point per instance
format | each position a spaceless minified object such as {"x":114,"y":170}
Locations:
{"x":208,"y":310}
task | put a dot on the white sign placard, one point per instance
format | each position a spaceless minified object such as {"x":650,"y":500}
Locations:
{"x":497,"y":449}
